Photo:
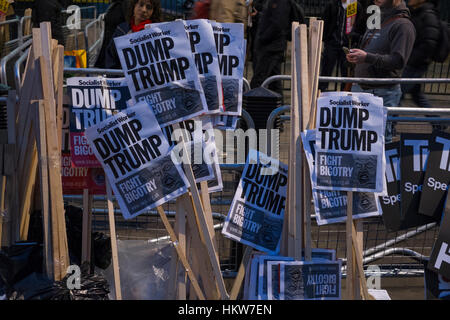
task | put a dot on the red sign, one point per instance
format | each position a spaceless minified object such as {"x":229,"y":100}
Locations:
{"x":75,"y":179}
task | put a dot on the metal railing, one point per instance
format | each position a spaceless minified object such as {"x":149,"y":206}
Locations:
{"x":3,"y":62}
{"x":99,"y":28}
{"x":401,"y":114}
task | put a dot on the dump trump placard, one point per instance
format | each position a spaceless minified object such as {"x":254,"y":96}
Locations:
{"x":257,"y":212}
{"x":135,"y":156}
{"x":203,"y":47}
{"x":161,"y":73}
{"x":92,"y":100}
{"x":331,"y":205}
{"x":230,"y":45}
{"x":350,"y":143}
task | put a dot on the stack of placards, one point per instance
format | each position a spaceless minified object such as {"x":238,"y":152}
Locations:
{"x":346,"y":153}
{"x":181,"y":76}
{"x":92,"y":100}
{"x":282,"y":278}
{"x":417,"y":177}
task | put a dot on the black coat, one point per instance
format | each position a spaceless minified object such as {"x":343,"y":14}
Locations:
{"x":426,"y":22}
{"x":50,"y":10}
{"x":114,"y":16}
{"x":112,"y":60}
{"x":273,"y":26}
{"x":332,"y":25}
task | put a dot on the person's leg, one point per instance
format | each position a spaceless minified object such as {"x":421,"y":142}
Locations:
{"x":329,"y":60}
{"x":391,"y":98}
{"x":418,"y":96}
{"x":276,"y":61}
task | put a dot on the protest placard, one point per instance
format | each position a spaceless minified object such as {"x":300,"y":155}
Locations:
{"x":350,"y":143}
{"x":230,"y":45}
{"x":257,"y":211}
{"x":316,"y":253}
{"x":436,"y":286}
{"x":92,"y":100}
{"x":304,"y":280}
{"x":331,"y":206}
{"x":204,"y":156}
{"x":263,"y":273}
{"x":440,"y":255}
{"x":135,"y":156}
{"x":162,"y":73}
{"x":414,"y":150}
{"x":390,"y":202}
{"x":437,"y":176}
{"x":203,"y":46}
{"x":76,"y":179}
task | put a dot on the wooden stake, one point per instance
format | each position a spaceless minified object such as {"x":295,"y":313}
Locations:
{"x":40,"y":128}
{"x":201,"y":264}
{"x":206,"y":201}
{"x":350,"y":282}
{"x":180,"y":253}
{"x":112,"y":234}
{"x":86,"y":232}
{"x":203,"y":225}
{"x":241,"y":273}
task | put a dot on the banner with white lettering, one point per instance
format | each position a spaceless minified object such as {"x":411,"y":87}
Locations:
{"x":437,"y":176}
{"x":257,"y":212}
{"x":92,"y":100}
{"x":414,"y":150}
{"x":440,"y":255}
{"x":230,"y":45}
{"x":203,"y":46}
{"x":306,"y":280}
{"x":162,"y":73}
{"x":331,"y":206}
{"x":350,"y":142}
{"x":135,"y":156}
{"x":390,"y":202}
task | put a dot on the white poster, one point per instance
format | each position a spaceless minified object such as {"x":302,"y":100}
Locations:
{"x":350,"y":143}
{"x":159,"y":68}
{"x":135,"y":156}
{"x":203,"y":47}
{"x":330,"y":206}
{"x":230,"y":45}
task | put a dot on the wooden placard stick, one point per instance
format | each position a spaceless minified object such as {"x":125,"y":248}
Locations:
{"x":241,"y":273}
{"x":359,"y":263}
{"x":27,"y":198}
{"x":180,"y":253}
{"x":350,"y":282}
{"x":39,"y":110}
{"x":206,"y":200}
{"x":203,"y":225}
{"x":317,"y":43}
{"x":58,"y":78}
{"x":27,"y":25}
{"x":201,"y":263}
{"x":86,"y":228}
{"x":291,"y":208}
{"x":54,"y":147}
{"x":112,"y":235}
{"x":54,"y":191}
{"x":180,"y":221}
{"x":303,"y":100}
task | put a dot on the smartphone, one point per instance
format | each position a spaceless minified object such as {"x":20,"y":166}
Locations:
{"x":346,"y":50}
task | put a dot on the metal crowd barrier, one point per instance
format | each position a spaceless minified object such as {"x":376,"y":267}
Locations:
{"x":396,"y":114}
{"x":3,"y":62}
{"x":99,"y":28}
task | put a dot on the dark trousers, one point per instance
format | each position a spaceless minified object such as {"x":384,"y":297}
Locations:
{"x":414,"y":89}
{"x":331,"y":57}
{"x":265,"y":65}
